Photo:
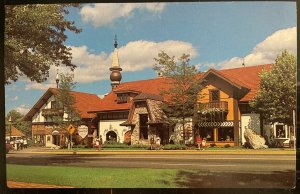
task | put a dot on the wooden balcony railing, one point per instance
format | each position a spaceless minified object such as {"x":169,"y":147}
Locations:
{"x":212,"y":106}
{"x":52,"y":112}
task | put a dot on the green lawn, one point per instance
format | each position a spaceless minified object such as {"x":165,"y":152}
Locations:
{"x":94,"y":177}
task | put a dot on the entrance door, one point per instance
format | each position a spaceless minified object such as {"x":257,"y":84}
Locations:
{"x":56,"y":139}
{"x":143,"y":126}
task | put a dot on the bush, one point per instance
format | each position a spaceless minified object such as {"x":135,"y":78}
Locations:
{"x":174,"y":147}
{"x":213,"y":145}
{"x":114,"y":145}
{"x":139,"y":146}
{"x":227,"y":146}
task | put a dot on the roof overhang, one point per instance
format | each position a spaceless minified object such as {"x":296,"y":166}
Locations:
{"x":239,"y":90}
{"x":39,"y":104}
{"x":108,"y":111}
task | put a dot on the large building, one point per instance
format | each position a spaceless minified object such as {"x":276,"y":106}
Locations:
{"x":131,"y":112}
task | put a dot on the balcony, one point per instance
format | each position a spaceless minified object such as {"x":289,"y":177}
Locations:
{"x":209,"y":107}
{"x":212,"y":111}
{"x":48,"y":112}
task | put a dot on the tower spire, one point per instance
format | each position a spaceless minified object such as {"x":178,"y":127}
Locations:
{"x":115,"y":68}
{"x":116,"y":41}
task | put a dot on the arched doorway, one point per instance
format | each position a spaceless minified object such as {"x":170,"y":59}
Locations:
{"x":111,"y":136}
{"x":56,"y":138}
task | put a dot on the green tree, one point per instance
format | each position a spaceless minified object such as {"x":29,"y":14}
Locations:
{"x":182,"y":95}
{"x":34,"y":40}
{"x":66,"y":101}
{"x":17,"y":122}
{"x":276,"y":98}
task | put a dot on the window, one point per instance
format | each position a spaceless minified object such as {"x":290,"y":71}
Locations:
{"x":280,"y":132}
{"x":122,"y":98}
{"x":207,"y":133}
{"x":225,"y":134}
{"x":143,"y":126}
{"x":214,"y":95}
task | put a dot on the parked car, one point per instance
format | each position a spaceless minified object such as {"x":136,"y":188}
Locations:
{"x":8,"y":147}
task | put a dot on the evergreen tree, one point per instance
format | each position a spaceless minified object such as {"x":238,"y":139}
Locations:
{"x":181,"y":97}
{"x":276,"y":99}
{"x":34,"y":39}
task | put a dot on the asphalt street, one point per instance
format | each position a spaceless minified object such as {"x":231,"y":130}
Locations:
{"x":199,"y":169}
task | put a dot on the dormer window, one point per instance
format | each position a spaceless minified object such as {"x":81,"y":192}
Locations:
{"x":122,"y":98}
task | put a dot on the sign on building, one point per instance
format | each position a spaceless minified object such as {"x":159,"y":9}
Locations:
{"x":83,"y":131}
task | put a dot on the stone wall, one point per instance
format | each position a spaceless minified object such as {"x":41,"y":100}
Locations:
{"x":135,"y":136}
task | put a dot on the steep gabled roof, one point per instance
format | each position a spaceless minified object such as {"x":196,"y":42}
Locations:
{"x":84,"y":102}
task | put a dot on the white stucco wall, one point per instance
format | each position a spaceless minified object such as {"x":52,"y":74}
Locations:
{"x":249,"y":121}
{"x":113,"y":125}
{"x":37,"y":118}
{"x":38,"y":115}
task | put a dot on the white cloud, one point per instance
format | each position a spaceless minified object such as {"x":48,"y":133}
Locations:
{"x":266,"y":51}
{"x":106,"y":13}
{"x":39,"y":86}
{"x":139,"y":55}
{"x":24,"y":108}
{"x":134,"y":56}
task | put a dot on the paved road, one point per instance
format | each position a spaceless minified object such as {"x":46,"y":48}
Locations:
{"x":199,"y":169}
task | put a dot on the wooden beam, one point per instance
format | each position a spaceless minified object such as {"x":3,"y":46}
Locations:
{"x":236,"y":121}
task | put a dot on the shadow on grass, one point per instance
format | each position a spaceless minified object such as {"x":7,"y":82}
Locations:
{"x":207,"y":179}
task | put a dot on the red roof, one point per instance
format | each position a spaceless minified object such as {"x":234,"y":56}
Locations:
{"x":14,"y":132}
{"x":84,"y":103}
{"x":247,"y":77}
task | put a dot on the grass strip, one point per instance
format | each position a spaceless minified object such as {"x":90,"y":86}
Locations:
{"x":93,"y":177}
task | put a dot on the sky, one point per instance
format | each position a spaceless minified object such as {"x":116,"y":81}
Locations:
{"x":217,"y":35}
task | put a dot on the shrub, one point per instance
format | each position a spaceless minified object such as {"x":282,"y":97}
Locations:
{"x":213,"y":145}
{"x":174,"y":147}
{"x":114,"y":145}
{"x":139,"y":146}
{"x":227,"y":146}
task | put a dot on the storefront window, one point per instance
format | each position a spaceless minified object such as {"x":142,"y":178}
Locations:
{"x":207,"y":133}
{"x":225,"y":134}
{"x":39,"y":139}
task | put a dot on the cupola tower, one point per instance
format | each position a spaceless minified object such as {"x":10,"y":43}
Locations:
{"x":115,"y":76}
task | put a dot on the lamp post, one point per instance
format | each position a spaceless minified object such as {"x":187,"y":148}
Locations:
{"x":10,"y":123}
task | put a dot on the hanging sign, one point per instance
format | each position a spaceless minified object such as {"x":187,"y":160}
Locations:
{"x":71,"y":129}
{"x":83,"y":131}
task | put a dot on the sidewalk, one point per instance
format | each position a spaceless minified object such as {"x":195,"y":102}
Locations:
{"x":42,"y":150}
{"x":13,"y":184}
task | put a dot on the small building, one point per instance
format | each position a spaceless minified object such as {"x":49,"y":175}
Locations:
{"x":14,"y":133}
{"x":46,"y":132}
